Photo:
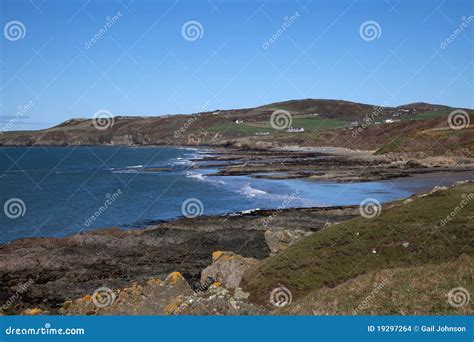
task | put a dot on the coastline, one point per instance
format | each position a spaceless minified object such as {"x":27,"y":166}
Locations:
{"x":381,"y":175}
{"x":60,"y":270}
{"x":118,"y":257}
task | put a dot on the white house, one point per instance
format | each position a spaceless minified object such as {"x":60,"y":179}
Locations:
{"x":295,"y":130}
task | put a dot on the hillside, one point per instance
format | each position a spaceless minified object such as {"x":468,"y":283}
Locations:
{"x":404,"y":235}
{"x":412,"y":127}
{"x":421,"y":290}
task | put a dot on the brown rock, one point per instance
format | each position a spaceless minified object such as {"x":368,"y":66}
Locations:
{"x":278,"y":240}
{"x":227,"y":268}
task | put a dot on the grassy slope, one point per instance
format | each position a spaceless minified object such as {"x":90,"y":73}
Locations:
{"x":250,"y":128}
{"x":341,"y":252}
{"x":402,"y":291}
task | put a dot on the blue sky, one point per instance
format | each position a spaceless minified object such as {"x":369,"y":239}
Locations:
{"x":142,"y":64}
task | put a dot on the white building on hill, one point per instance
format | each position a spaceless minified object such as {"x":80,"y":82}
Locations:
{"x":295,"y":130}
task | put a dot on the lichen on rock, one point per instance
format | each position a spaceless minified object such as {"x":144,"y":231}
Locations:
{"x":227,"y":268}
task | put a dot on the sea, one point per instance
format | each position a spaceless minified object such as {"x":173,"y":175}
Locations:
{"x":59,"y":191}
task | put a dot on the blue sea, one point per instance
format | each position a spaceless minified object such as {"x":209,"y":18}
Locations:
{"x":58,"y":191}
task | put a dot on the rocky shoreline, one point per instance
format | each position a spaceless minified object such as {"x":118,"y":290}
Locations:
{"x":61,"y":269}
{"x":328,"y":164}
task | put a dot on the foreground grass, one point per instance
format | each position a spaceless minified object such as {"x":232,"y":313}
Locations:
{"x":400,"y":291}
{"x":404,"y":235}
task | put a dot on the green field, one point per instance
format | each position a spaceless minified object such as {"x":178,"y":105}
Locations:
{"x":309,"y":124}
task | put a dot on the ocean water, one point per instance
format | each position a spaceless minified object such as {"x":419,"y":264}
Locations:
{"x":58,"y":191}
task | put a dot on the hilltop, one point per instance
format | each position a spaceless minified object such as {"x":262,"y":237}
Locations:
{"x":408,"y":128}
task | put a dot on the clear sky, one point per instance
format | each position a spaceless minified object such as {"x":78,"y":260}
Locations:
{"x":143,"y":65}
